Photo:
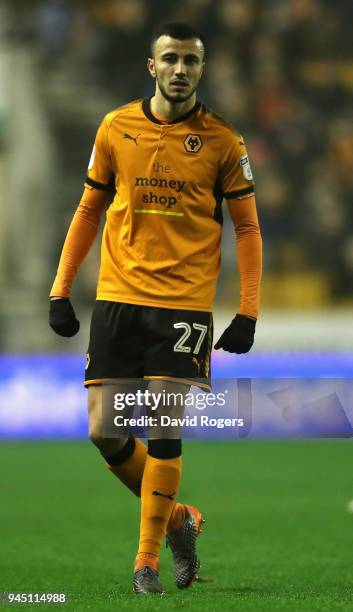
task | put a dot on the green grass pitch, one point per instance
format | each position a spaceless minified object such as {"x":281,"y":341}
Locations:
{"x":277,"y":537}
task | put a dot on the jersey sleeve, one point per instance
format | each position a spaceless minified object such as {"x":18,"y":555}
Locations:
{"x":100,"y":173}
{"x":79,"y":239}
{"x":235,"y":174}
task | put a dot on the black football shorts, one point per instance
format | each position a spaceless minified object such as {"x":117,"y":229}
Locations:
{"x":129,"y":341}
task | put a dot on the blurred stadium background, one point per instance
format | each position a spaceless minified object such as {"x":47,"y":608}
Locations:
{"x":281,"y":71}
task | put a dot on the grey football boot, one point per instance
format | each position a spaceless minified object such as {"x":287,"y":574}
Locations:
{"x":182,"y":542}
{"x":146,"y":581}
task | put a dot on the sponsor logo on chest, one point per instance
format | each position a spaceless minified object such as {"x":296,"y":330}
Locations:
{"x":157,"y":196}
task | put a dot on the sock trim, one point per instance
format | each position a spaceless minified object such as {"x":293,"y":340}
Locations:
{"x":164,"y":448}
{"x":123,"y":454}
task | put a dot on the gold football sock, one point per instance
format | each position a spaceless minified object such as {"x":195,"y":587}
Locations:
{"x":159,"y":488}
{"x":130,"y":472}
{"x":146,"y":559}
{"x":177,"y":516}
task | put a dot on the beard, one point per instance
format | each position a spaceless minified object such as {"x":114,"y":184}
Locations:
{"x":177,"y":97}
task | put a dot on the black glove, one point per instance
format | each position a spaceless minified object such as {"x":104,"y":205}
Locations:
{"x":239,"y":335}
{"x":62,"y":318}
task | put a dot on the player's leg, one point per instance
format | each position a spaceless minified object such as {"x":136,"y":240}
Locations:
{"x":160,"y":483}
{"x":179,"y":350}
{"x":114,"y":352}
{"x":125,"y":455}
{"x":116,"y":348}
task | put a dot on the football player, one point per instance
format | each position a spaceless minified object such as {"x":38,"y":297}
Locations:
{"x":171,"y":161}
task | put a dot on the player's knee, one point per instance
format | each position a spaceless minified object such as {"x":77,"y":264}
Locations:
{"x":164,"y":448}
{"x":95,"y":436}
{"x":94,"y":413}
{"x":120,"y":452}
{"x":107,"y":446}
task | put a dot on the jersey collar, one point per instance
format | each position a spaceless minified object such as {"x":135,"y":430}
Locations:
{"x":146,"y":107}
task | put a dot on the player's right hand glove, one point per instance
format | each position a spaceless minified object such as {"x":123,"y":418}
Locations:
{"x":239,"y":335}
{"x":62,"y":318}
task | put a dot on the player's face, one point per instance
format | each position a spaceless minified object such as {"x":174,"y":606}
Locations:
{"x":177,"y":66}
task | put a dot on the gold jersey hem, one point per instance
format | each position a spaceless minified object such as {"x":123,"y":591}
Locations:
{"x":112,"y":297}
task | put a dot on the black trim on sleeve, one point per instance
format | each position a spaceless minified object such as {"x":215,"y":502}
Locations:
{"x":100,"y":186}
{"x":239,"y":193}
{"x":218,"y":196}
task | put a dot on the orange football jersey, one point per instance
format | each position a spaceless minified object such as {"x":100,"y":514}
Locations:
{"x":161,"y":241}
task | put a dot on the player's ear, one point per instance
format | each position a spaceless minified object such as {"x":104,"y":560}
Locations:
{"x":151,"y":67}
{"x":202,"y":69}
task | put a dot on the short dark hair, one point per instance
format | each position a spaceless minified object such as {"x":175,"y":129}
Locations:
{"x":178,"y":30}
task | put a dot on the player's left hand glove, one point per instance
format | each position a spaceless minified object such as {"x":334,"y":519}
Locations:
{"x":239,"y":335}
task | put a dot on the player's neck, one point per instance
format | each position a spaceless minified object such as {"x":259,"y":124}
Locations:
{"x":170,"y":111}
